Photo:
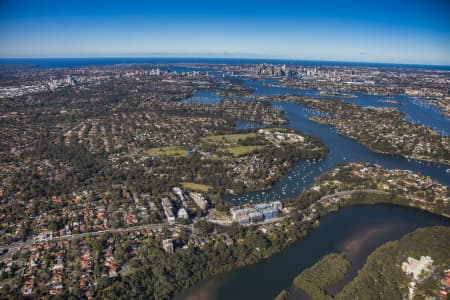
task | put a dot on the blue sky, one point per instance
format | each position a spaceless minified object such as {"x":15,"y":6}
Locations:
{"x":412,"y":31}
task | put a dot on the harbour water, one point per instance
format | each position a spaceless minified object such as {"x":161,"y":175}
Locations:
{"x":342,"y":149}
{"x":354,"y":231}
{"x":416,"y":110}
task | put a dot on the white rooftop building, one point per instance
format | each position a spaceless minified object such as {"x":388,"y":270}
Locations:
{"x":182,"y":214}
{"x":256,"y":212}
{"x":199,"y":200}
{"x":177,"y":191}
{"x":415,"y":267}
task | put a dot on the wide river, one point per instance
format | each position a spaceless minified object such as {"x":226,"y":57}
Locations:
{"x":342,"y":149}
{"x":354,"y":231}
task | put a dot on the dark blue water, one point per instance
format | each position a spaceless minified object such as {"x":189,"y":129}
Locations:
{"x":342,"y":149}
{"x":355,"y":231}
{"x":416,"y":110}
{"x":44,"y":63}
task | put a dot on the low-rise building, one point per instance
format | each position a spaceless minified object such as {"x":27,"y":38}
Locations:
{"x":182,"y":214}
{"x":199,"y":200}
{"x":258,"y":212}
{"x":167,"y":245}
{"x":177,"y":191}
{"x":415,"y":267}
{"x":168,"y":209}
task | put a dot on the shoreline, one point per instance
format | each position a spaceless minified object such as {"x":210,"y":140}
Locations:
{"x":334,"y":123}
{"x":314,"y":224}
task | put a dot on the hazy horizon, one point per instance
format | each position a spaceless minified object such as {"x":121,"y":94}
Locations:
{"x":213,"y":56}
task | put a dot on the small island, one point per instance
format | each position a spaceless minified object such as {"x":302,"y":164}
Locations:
{"x":328,"y":271}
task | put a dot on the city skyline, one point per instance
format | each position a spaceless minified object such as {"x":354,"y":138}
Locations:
{"x":368,"y":31}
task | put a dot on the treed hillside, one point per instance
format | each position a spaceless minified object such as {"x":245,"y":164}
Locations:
{"x":382,"y":277}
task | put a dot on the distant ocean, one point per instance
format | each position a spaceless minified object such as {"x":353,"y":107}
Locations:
{"x":45,"y":63}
